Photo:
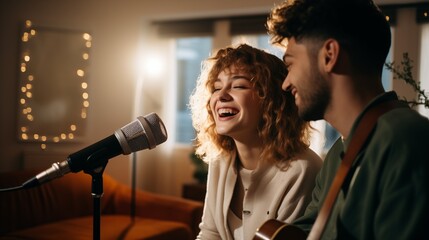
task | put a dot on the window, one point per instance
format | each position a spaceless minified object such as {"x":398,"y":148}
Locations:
{"x":386,"y":75}
{"x":190,"y":52}
{"x":424,"y":62}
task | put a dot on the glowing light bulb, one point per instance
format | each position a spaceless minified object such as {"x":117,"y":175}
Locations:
{"x":80,"y":73}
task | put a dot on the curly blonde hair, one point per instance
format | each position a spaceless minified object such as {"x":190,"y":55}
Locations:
{"x":282,"y":132}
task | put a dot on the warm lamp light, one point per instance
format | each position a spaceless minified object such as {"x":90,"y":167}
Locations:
{"x":150,"y":65}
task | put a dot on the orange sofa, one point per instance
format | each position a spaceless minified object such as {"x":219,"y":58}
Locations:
{"x":63,"y":209}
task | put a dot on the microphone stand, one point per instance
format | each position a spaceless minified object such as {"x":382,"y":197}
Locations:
{"x":96,"y":173}
{"x":133,"y":188}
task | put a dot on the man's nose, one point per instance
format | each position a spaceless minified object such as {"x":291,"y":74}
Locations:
{"x":286,"y":86}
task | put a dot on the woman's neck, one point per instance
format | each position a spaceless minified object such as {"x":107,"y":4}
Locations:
{"x":249,"y":154}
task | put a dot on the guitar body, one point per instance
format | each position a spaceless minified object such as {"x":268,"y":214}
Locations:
{"x":274,"y":229}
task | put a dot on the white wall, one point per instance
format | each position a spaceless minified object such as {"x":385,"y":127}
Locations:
{"x":120,"y":29}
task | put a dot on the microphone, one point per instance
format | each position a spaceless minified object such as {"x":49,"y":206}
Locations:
{"x":144,"y":132}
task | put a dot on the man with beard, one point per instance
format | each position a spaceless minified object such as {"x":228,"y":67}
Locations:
{"x":335,"y":53}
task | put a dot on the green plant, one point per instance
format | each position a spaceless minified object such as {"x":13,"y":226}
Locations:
{"x":403,"y":71}
{"x":201,"y":168}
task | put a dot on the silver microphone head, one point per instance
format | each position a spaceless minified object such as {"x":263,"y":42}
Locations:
{"x":145,"y":132}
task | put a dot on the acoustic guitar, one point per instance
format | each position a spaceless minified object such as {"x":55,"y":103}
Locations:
{"x":274,"y":229}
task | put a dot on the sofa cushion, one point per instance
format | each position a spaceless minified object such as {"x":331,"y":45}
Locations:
{"x":112,"y":227}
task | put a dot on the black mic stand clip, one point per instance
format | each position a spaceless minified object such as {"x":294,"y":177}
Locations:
{"x":96,"y":163}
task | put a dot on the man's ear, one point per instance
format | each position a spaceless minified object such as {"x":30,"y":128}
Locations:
{"x":330,"y":53}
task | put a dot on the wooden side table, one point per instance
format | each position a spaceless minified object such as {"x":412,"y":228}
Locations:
{"x":194,"y":191}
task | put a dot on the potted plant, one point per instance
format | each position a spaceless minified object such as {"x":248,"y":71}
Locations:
{"x":403,"y":72}
{"x":201,"y":168}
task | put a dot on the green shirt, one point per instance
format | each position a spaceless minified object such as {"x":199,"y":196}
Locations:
{"x":387,"y":193}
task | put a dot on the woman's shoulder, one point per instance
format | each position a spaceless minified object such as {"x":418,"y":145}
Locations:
{"x":303,"y":168}
{"x":307,"y":159}
{"x":309,"y":156}
{"x":221,"y":162}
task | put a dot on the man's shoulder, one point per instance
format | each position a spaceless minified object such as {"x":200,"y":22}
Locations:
{"x":402,"y":133}
{"x":403,"y":122}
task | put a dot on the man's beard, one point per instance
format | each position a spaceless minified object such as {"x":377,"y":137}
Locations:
{"x":316,"y":99}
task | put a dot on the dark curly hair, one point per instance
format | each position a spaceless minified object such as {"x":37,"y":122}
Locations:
{"x":283,"y":133}
{"x":358,"y":25}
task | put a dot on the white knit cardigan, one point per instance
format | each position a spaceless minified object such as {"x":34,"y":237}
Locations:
{"x":273,"y":193}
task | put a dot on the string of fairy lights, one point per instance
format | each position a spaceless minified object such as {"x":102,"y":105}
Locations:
{"x":26,"y":99}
